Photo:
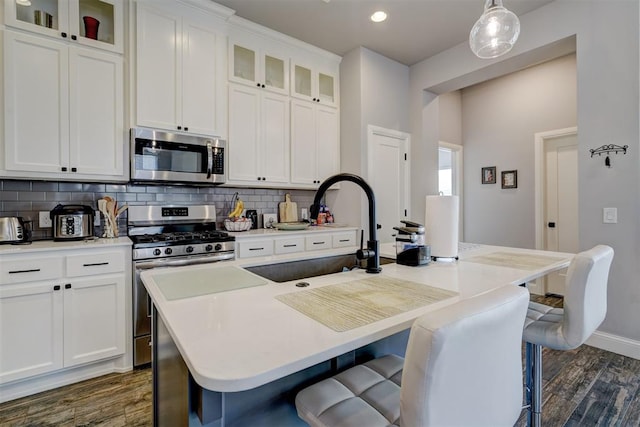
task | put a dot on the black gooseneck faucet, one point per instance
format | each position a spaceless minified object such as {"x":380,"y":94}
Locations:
{"x":372,"y":253}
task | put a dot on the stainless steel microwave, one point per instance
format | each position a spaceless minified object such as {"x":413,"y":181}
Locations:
{"x":175,"y":158}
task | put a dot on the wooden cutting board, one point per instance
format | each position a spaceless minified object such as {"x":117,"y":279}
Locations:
{"x":288,"y":210}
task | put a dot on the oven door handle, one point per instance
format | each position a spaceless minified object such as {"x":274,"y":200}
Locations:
{"x":182,"y":262}
{"x":209,"y":159}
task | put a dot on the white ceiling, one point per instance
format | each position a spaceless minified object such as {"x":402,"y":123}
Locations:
{"x":414,"y":30}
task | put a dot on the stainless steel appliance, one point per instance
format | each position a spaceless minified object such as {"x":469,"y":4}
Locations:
{"x":169,"y":236}
{"x":14,"y":230}
{"x":72,"y":222}
{"x":165,"y":157}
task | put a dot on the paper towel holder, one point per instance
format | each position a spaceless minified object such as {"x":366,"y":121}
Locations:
{"x":608,"y":149}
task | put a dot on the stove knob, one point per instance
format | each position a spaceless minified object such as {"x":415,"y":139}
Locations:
{"x":157,"y":252}
{"x":218,"y":247}
{"x":189,"y":249}
{"x":208,"y":248}
{"x":168,"y":251}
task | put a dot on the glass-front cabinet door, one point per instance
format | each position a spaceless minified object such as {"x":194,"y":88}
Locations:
{"x":256,"y":67}
{"x":313,"y":85}
{"x":95,"y":23}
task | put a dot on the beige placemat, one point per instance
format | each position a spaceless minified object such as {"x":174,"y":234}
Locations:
{"x":515,"y":260}
{"x":193,"y":283}
{"x":353,"y":304}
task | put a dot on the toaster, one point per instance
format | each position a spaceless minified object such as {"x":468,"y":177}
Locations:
{"x":13,"y":230}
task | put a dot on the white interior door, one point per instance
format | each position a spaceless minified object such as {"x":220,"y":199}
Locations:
{"x":561,"y":202}
{"x":389,"y":177}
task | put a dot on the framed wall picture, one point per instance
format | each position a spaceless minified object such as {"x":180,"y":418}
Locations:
{"x":489,"y":175}
{"x":510,"y":179}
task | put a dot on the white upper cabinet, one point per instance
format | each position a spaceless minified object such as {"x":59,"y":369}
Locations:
{"x":315,"y":143}
{"x":63,"y":110}
{"x":177,"y":82}
{"x":314,"y":84}
{"x":258,"y":136}
{"x":258,"y":67}
{"x":94,"y":23}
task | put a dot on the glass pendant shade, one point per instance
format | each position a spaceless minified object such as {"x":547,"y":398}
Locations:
{"x":496,"y":31}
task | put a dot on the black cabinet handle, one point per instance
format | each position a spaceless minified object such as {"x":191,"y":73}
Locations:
{"x":258,"y":84}
{"x":67,"y":286}
{"x":179,"y":127}
{"x":552,"y":225}
{"x":290,"y":246}
{"x":34,"y":270}
{"x":74,"y":37}
{"x":263,"y":86}
{"x":74,"y":169}
{"x":186,"y":128}
{"x":64,"y":168}
{"x":318,"y":243}
{"x":95,"y":264}
{"x":343,"y":240}
{"x":256,"y":249}
{"x":56,"y":288}
{"x":64,"y":35}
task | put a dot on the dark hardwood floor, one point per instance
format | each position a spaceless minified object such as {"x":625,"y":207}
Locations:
{"x":582,"y":387}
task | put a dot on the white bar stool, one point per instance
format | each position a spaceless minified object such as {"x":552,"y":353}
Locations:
{"x":463,"y":367}
{"x":585,"y":306}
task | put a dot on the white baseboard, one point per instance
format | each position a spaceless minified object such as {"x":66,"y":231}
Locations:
{"x":40,"y":383}
{"x":615,"y":344}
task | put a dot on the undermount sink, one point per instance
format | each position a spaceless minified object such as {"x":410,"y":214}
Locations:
{"x":296,"y":270}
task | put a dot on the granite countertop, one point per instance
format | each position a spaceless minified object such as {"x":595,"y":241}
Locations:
{"x":277,"y":340}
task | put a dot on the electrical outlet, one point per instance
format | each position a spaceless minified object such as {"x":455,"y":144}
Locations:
{"x":610,"y":215}
{"x":44,"y":220}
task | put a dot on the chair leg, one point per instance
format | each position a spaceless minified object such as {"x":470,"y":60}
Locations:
{"x":533,"y":374}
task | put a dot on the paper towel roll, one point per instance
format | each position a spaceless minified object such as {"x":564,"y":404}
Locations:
{"x":441,"y":224}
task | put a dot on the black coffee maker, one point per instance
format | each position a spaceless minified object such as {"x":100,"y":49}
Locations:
{"x":410,"y":247}
{"x":253,"y":216}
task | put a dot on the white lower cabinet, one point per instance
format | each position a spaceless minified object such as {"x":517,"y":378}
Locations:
{"x":60,"y":310}
{"x":256,"y":246}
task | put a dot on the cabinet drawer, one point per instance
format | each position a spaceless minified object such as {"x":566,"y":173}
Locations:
{"x":313,"y":243}
{"x":98,"y":263}
{"x":29,"y":269}
{"x":255,"y":248}
{"x":287,"y":246}
{"x":341,"y":240}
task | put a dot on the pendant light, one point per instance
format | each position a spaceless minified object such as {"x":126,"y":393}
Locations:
{"x":496,"y":31}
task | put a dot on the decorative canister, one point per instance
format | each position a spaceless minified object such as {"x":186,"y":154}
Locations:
{"x":91,"y":27}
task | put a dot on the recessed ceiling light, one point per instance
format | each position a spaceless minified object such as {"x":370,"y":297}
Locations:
{"x":378,"y":16}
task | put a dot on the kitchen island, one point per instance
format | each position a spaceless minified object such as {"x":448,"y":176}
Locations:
{"x":239,"y":356}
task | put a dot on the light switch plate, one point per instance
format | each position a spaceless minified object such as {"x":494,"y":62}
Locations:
{"x":610,"y":215}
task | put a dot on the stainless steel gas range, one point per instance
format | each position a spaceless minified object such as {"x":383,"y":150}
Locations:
{"x":165,"y":237}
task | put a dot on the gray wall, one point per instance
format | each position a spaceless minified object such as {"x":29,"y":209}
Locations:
{"x":373,"y":91}
{"x":450,"y":119}
{"x":607,"y":45}
{"x":499,"y":120}
{"x":27,"y":198}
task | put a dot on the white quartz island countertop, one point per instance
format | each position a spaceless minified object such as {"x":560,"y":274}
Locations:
{"x":240,"y":339}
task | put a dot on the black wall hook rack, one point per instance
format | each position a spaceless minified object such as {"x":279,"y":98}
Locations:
{"x":608,"y":149}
